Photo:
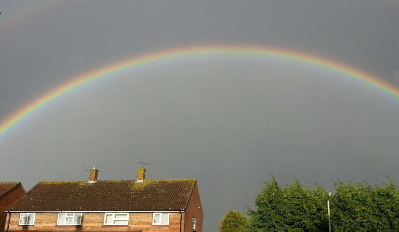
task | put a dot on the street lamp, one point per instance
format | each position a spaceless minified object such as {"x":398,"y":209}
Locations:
{"x":328,"y":212}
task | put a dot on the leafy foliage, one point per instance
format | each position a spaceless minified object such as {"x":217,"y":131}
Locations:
{"x":361,"y":207}
{"x":234,"y":221}
{"x":354,"y":207}
{"x":295,"y":208}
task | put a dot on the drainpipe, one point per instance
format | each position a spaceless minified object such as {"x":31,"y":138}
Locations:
{"x":181,"y":218}
{"x":8,"y":220}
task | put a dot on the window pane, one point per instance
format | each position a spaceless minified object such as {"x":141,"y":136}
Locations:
{"x":120,"y":222}
{"x":77,"y":218}
{"x":121,"y":216}
{"x":69,"y":220}
{"x":31,"y":218}
{"x":157,"y":218}
{"x":108,"y":218}
{"x":61,"y":218}
{"x":165,"y":219}
{"x":22,"y":218}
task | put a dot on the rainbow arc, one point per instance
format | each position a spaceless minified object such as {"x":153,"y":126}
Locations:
{"x":146,"y":59}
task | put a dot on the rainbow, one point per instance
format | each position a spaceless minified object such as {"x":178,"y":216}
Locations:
{"x":12,"y":17}
{"x":142,"y":60}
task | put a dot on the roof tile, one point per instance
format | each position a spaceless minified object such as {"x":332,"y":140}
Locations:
{"x":5,"y":187}
{"x":120,"y":195}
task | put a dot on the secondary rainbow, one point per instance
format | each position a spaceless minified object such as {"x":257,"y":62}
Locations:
{"x":139,"y":61}
{"x":12,"y":17}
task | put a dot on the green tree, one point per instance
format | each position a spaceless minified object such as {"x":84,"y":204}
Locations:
{"x":234,"y":221}
{"x":354,"y":207}
{"x":305,"y":208}
{"x":362,"y":207}
{"x":270,"y":213}
{"x":292,"y":209}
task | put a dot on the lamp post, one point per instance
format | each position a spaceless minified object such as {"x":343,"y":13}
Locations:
{"x":329,"y":212}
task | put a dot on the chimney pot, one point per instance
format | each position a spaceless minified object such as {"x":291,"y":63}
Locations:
{"x":141,"y":175}
{"x":93,"y":174}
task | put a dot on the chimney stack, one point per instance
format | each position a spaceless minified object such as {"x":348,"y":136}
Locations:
{"x":141,"y":175}
{"x":93,"y":175}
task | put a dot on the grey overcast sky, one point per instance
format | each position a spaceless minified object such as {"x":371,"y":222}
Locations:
{"x":230,"y":121}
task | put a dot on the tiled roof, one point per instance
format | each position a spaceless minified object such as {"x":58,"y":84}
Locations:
{"x":120,"y":195}
{"x":5,"y":187}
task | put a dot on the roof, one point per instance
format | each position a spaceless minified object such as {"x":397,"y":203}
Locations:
{"x":6,"y":187}
{"x":119,"y":195}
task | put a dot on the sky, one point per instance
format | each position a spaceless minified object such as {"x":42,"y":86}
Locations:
{"x":231,"y":121}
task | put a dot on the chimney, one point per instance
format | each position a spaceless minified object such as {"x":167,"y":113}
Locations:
{"x":141,"y":175}
{"x":93,"y":175}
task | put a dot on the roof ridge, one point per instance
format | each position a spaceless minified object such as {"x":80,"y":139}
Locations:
{"x":85,"y":181}
{"x":11,"y":182}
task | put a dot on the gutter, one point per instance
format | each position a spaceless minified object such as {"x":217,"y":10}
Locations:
{"x":94,"y":211}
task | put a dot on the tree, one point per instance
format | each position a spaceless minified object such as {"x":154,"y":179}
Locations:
{"x":294,"y":208}
{"x":305,"y":208}
{"x":354,"y":207}
{"x":362,"y":207}
{"x":270,"y":213}
{"x":234,"y":221}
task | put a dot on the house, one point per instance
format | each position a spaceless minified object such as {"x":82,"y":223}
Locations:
{"x":109,"y":205}
{"x":9,"y":193}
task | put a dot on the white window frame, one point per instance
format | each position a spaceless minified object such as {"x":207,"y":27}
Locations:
{"x":161,"y":222}
{"x":113,"y":219}
{"x":74,"y":215}
{"x":24,"y":215}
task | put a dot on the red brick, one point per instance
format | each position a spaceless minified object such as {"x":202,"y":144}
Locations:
{"x":7,"y":199}
{"x":95,"y":222}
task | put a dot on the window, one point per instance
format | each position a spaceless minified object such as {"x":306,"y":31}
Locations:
{"x":160,"y":219}
{"x":27,"y":219}
{"x":116,"y":219}
{"x":69,"y":219}
{"x":194,"y":221}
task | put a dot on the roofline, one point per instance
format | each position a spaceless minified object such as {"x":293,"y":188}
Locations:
{"x":96,"y":211}
{"x":14,"y":187}
{"x":131,"y":180}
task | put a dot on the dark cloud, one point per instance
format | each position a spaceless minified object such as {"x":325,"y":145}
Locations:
{"x":229,"y":121}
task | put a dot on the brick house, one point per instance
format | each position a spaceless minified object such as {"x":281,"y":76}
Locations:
{"x":123,"y":205}
{"x":9,"y":193}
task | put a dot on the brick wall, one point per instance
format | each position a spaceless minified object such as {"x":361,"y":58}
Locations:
{"x":95,"y":222}
{"x":194,"y":210}
{"x":7,"y":200}
{"x":139,"y":222}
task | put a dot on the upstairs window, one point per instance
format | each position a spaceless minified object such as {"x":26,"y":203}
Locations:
{"x":69,"y":219}
{"x":27,"y":219}
{"x":160,"y":219}
{"x":116,"y":219}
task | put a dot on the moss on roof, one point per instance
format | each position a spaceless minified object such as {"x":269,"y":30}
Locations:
{"x":108,"y":195}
